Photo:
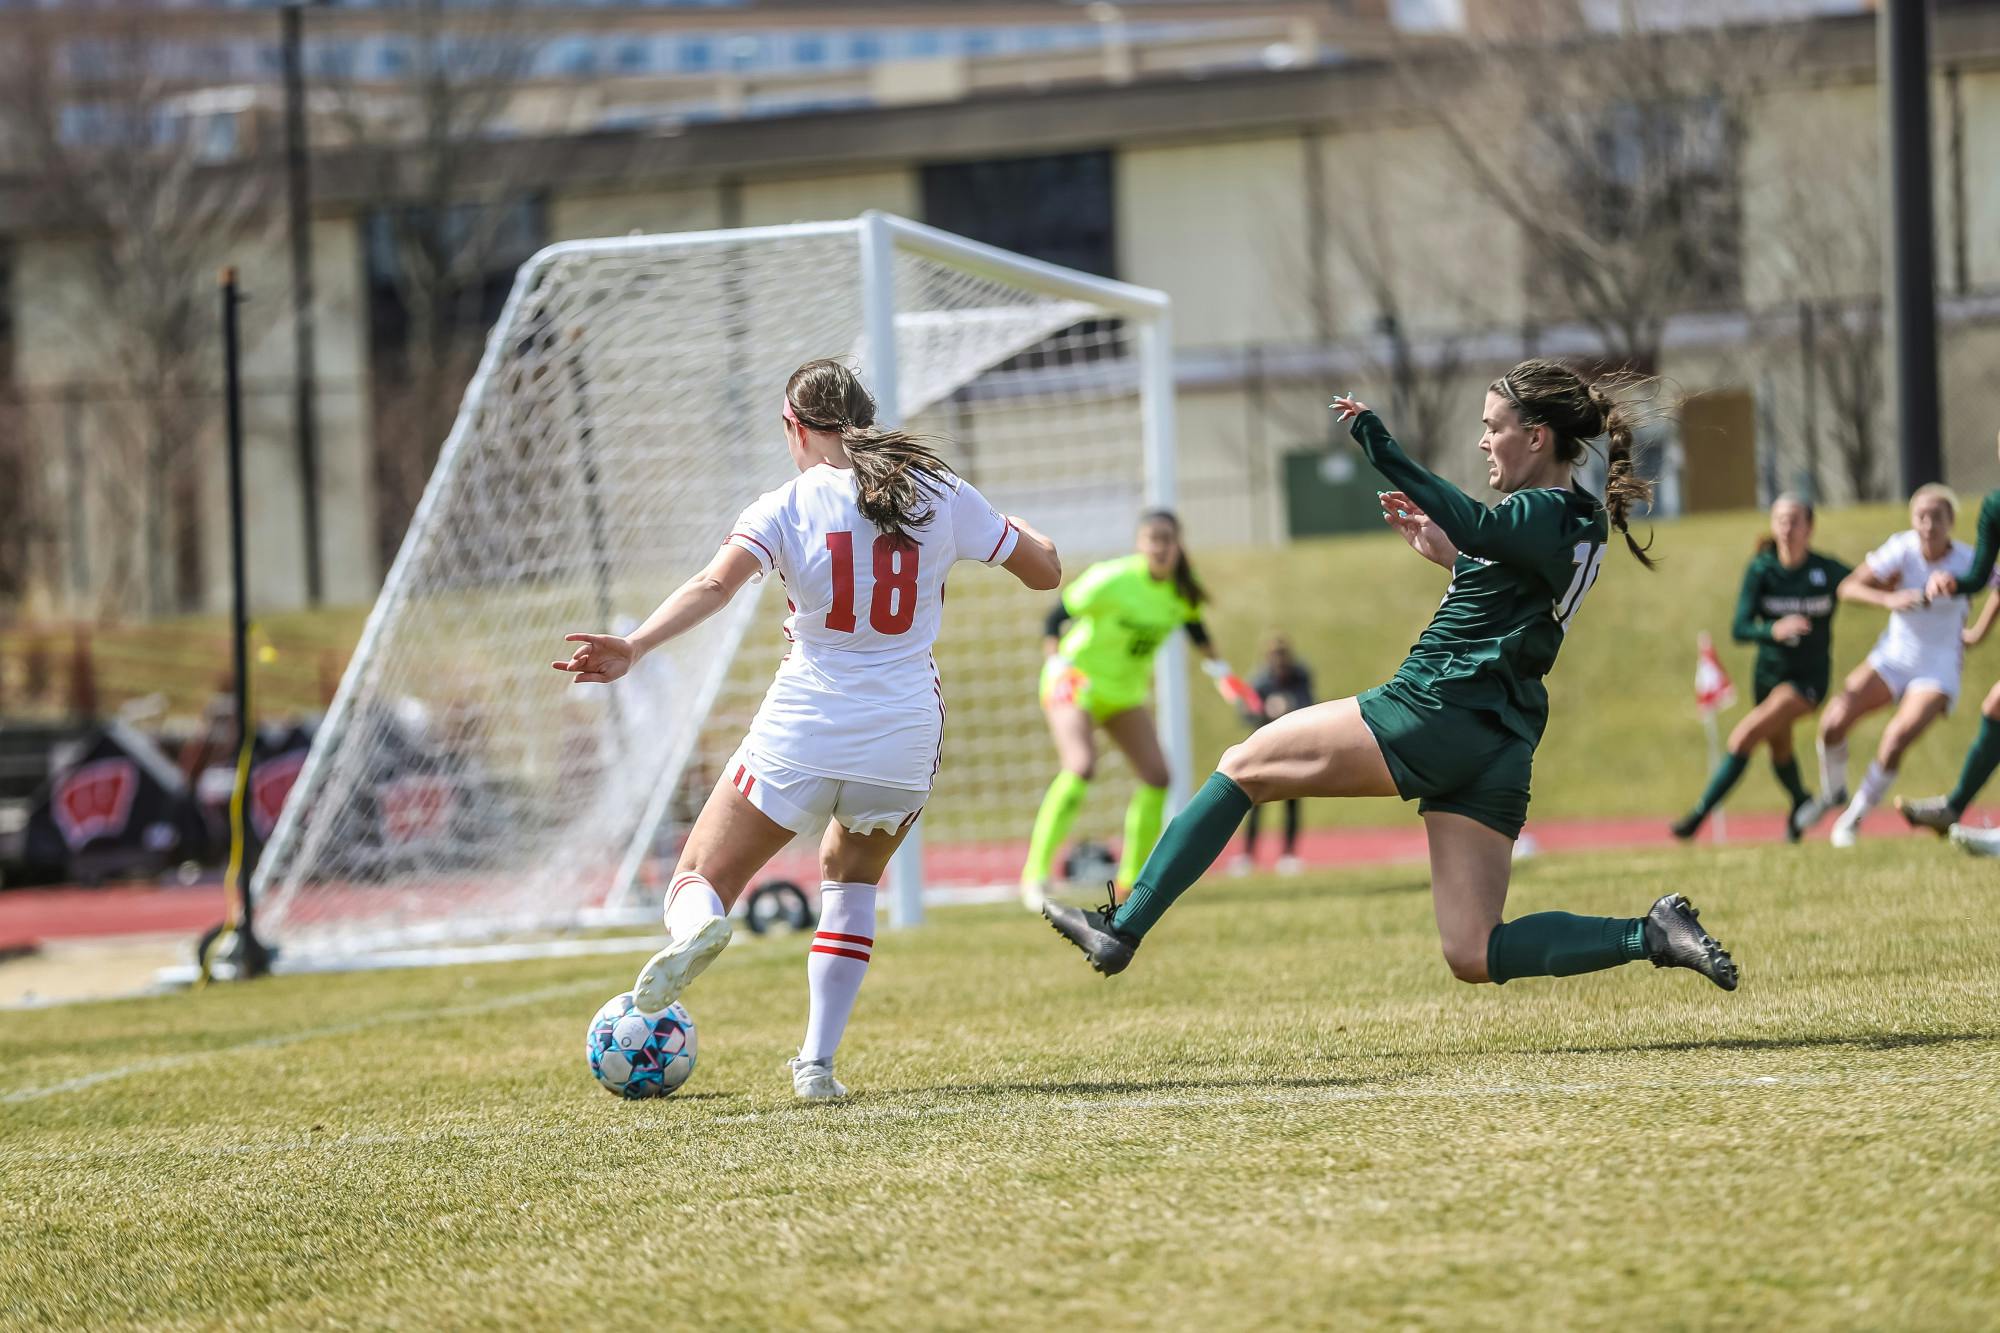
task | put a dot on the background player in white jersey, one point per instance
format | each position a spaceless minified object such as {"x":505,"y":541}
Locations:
{"x":1915,"y":664}
{"x":851,"y":727}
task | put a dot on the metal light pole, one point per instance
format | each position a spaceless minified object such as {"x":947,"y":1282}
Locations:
{"x":1903,"y":32}
{"x":232,"y":949}
{"x":298,"y":222}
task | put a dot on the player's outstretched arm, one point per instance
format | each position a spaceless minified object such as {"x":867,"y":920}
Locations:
{"x":600,"y":659}
{"x":1864,"y":585}
{"x":1508,"y":533}
{"x":1034,"y":560}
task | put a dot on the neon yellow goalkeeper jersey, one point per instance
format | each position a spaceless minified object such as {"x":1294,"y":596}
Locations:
{"x":1122,"y":615}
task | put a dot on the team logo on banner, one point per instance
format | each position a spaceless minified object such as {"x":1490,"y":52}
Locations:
{"x":94,"y":800}
{"x":270,"y":783}
{"x":414,"y":809}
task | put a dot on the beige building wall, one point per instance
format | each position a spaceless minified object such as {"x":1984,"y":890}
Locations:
{"x":70,"y":373}
{"x":830,"y":198}
{"x":1403,"y":222}
{"x":1220,"y":227}
{"x":575,"y":217}
{"x":1979,"y":92}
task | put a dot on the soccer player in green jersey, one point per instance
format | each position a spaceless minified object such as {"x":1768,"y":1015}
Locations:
{"x":1456,"y":727}
{"x":1943,"y":812}
{"x":1786,"y":608}
{"x":1101,"y":640}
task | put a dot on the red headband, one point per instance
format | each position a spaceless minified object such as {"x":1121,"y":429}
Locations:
{"x":792,"y":416}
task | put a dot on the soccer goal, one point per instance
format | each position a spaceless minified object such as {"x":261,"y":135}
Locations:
{"x":626,"y":408}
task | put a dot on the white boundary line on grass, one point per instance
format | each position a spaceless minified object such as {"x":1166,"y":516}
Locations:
{"x":1068,"y":1105}
{"x":91,"y":1080}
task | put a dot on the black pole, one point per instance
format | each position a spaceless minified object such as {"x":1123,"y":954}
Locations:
{"x":248,"y":955}
{"x":1904,"y":29}
{"x":298,"y":223}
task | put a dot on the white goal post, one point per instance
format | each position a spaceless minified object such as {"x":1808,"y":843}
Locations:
{"x":624,"y":411}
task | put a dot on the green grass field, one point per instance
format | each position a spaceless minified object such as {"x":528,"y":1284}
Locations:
{"x":1286,"y":1115}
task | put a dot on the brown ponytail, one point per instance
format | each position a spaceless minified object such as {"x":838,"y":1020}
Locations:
{"x":1548,"y":393}
{"x":1185,"y":582}
{"x":896,"y":473}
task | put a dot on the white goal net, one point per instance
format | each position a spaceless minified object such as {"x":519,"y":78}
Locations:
{"x":625,"y":411}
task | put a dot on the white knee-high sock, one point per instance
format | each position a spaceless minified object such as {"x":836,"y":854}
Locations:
{"x":836,"y":964}
{"x":1875,"y":785}
{"x":1832,"y":766}
{"x":691,"y":900}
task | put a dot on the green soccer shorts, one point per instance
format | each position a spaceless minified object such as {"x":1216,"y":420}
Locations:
{"x":1811,"y":684}
{"x":1449,"y":758}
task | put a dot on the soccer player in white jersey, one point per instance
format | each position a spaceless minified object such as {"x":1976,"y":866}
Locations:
{"x":1915,"y":664}
{"x":850,"y":730}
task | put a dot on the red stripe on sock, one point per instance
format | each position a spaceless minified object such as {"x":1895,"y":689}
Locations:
{"x":836,"y":935}
{"x":842,"y":953}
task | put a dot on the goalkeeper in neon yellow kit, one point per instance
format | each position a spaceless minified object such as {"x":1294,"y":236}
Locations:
{"x":1102,"y":638}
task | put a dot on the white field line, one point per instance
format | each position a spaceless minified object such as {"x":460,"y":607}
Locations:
{"x":1081,"y":1106}
{"x":97,"y":1077}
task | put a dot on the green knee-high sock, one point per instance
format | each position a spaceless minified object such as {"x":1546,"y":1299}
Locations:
{"x":1719,"y":782}
{"x":1788,"y":774}
{"x":1556,"y":944}
{"x":1144,"y":814}
{"x":1188,"y":847}
{"x":1980,"y":761}
{"x":1059,"y":806}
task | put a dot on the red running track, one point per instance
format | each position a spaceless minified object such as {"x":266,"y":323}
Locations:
{"x":29,"y":916}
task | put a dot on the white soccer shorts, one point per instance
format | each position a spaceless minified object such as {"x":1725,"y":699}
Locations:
{"x":1938,"y":671}
{"x":803,"y":802}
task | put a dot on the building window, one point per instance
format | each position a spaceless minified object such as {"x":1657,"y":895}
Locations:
{"x":1057,"y":208}
{"x":632,"y":57}
{"x":809,"y":49}
{"x":697,"y":54}
{"x":867,"y":47}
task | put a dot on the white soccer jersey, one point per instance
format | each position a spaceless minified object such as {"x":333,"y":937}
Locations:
{"x":858,"y":696}
{"x":1926,"y":636}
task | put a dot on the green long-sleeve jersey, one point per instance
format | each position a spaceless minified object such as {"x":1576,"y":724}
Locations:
{"x":1986,"y":548}
{"x":1523,"y":568}
{"x":1771,"y":592}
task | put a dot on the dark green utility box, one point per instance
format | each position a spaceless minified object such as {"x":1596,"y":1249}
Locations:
{"x":1329,"y":491}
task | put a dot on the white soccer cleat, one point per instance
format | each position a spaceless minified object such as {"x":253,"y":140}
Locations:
{"x":1290,"y":865}
{"x":1844,"y":834}
{"x":663,"y":979}
{"x":1977,"y":841}
{"x":813,"y":1080}
{"x":1034,"y":894}
{"x":1240,"y":865}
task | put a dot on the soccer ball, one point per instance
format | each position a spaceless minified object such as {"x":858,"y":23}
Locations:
{"x":636,"y":1054}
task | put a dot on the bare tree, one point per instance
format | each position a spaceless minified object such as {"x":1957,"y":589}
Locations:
{"x":1819,"y":258}
{"x":446,"y":233}
{"x":1382,"y":309}
{"x":95,"y":125}
{"x":1612,"y":147}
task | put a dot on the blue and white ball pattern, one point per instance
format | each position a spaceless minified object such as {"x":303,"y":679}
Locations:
{"x":636,"y":1054}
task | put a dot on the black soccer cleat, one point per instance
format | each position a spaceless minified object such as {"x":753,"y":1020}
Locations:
{"x":1686,"y":826}
{"x":1674,"y":938}
{"x":1109,"y":951}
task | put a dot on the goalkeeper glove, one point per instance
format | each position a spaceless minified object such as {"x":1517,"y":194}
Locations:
{"x":1232,"y":687}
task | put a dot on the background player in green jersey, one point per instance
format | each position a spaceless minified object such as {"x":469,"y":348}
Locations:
{"x":1101,"y":639}
{"x":1786,"y":608}
{"x":1456,"y":727}
{"x":1941,"y":812}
